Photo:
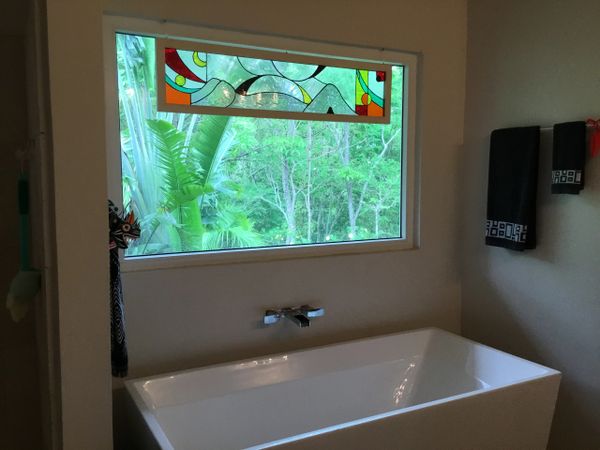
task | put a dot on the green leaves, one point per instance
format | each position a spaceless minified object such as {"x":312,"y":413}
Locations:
{"x":213,"y":182}
{"x":231,"y":229}
{"x":193,"y":175}
{"x":209,"y":146}
{"x":181,"y":183}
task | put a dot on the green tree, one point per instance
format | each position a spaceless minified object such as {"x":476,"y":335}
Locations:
{"x":201,"y":182}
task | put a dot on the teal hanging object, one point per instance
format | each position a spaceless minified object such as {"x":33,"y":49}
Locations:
{"x":26,"y":284}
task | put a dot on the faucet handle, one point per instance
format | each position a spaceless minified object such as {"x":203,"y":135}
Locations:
{"x":311,"y":311}
{"x":271,"y":316}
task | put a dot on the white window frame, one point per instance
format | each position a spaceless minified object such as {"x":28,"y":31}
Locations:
{"x":162,"y":29}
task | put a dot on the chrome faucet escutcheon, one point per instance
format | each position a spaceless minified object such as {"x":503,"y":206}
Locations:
{"x":300,"y":315}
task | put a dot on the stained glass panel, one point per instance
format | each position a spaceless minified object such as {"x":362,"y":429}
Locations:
{"x":208,"y":79}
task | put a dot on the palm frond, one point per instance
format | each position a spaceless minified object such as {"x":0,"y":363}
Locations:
{"x":181,"y":185}
{"x":209,"y":145}
{"x":231,"y":228}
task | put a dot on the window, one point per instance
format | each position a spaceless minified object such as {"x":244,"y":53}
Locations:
{"x":211,"y":176}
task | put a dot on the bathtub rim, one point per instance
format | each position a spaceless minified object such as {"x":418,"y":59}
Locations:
{"x":336,"y":344}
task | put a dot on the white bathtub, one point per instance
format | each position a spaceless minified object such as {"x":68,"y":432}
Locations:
{"x":426,"y":389}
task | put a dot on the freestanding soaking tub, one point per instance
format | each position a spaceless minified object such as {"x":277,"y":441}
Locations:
{"x":425,"y":389}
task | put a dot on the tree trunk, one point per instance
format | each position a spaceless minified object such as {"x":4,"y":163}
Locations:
{"x":345,"y":147}
{"x":320,"y":234}
{"x":290,"y":202}
{"x":355,"y":208}
{"x":289,"y":190}
{"x":308,"y":182}
{"x":377,"y":212}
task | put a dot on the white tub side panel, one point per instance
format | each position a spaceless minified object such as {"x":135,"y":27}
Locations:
{"x":517,"y":418}
{"x":136,"y":432}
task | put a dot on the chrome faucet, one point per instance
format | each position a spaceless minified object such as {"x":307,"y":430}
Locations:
{"x":300,"y":315}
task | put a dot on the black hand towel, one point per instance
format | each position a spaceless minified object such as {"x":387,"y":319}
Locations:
{"x":512,"y":188}
{"x":568,"y":157}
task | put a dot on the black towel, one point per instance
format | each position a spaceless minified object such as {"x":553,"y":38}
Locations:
{"x":512,"y":187}
{"x":568,"y":157}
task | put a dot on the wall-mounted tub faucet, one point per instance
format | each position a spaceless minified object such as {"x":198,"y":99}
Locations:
{"x":300,"y":315}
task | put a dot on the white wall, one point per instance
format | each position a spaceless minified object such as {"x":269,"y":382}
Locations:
{"x":537,"y":62}
{"x":188,"y":317}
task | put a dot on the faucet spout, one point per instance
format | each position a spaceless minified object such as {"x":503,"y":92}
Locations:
{"x":300,"y":315}
{"x":299,"y":319}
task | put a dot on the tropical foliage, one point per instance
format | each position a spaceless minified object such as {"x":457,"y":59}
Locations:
{"x":215,"y":182}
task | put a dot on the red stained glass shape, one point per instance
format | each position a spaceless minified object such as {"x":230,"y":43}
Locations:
{"x":361,"y":110}
{"x":173,"y":60}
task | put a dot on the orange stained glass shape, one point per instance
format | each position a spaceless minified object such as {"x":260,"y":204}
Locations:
{"x":175,"y":97}
{"x":374,"y":110}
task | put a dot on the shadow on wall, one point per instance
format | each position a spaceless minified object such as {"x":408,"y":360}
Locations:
{"x":20,"y":426}
{"x":541,"y":304}
{"x":577,"y":396}
{"x":539,"y":311}
{"x":558,"y":213}
{"x":282,"y":337}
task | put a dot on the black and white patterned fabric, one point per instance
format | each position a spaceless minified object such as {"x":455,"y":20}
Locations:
{"x":567,"y":177}
{"x":121,"y":230}
{"x":568,"y":157}
{"x":515,"y":232}
{"x":118,"y":344}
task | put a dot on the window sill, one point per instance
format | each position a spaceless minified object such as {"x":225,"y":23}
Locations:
{"x":181,"y":260}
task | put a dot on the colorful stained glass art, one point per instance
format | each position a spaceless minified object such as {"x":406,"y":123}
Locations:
{"x":205,"y":79}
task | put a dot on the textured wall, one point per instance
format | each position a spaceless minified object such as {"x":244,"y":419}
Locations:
{"x":535,"y":62}
{"x":20,"y":427}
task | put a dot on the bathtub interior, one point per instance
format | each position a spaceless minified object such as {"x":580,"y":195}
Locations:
{"x":453,"y":365}
{"x":251,"y":403}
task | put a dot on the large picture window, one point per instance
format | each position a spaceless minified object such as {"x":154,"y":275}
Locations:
{"x":227,"y":180}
